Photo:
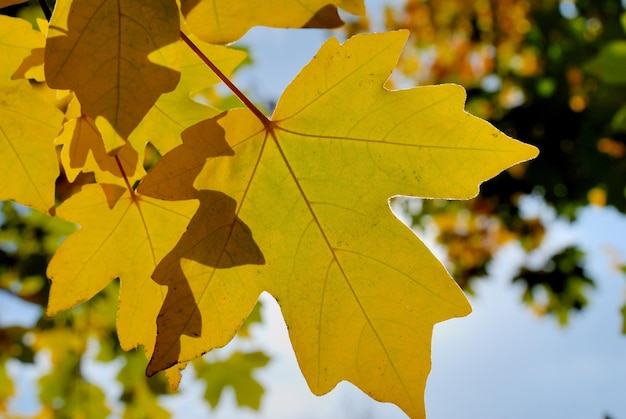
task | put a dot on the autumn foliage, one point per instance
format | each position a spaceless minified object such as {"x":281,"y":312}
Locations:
{"x":296,"y":204}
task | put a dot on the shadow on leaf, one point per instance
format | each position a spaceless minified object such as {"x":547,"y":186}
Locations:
{"x":173,"y":176}
{"x":215,"y":237}
{"x":125,"y":78}
{"x":221,"y":22}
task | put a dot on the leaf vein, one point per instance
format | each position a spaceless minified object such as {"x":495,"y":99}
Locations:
{"x":336,"y":260}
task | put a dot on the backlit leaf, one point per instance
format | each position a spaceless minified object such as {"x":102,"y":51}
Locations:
{"x":174,"y":111}
{"x":119,"y":84}
{"x":610,"y":62}
{"x":172,"y":179}
{"x":235,"y":372}
{"x":83,"y":151}
{"x":222,"y":21}
{"x":121,"y":236}
{"x":28,"y":126}
{"x":145,"y":403}
{"x":360,"y":292}
{"x":18,"y":42}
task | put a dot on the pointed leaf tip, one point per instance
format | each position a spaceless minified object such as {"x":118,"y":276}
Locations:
{"x":359,"y":291}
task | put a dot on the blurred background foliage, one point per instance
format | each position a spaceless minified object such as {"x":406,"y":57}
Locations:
{"x":550,"y":72}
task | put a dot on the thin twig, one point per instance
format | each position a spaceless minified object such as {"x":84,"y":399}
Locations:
{"x":264,"y":119}
{"x":119,"y":165}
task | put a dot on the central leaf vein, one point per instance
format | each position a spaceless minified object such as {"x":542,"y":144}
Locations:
{"x":336,"y":260}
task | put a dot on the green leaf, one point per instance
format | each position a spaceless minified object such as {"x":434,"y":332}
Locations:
{"x":610,"y":63}
{"x":235,"y":372}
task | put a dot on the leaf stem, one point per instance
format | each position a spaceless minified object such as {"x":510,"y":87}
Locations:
{"x":119,"y":165}
{"x":264,"y":119}
{"x":45,"y":8}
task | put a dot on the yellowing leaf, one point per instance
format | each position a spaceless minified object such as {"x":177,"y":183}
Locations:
{"x":177,"y":110}
{"x":121,"y":236}
{"x":21,"y":49}
{"x":356,"y":7}
{"x":172,"y":179}
{"x":122,"y":81}
{"x":359,"y":291}
{"x":18,"y":41}
{"x":214,"y":222}
{"x":222,"y":21}
{"x":28,"y":126}
{"x":83,"y":151}
{"x":32,"y":66}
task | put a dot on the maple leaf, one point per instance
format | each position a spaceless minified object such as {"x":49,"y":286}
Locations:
{"x":214,"y":222}
{"x":235,"y":372}
{"x":118,"y":85}
{"x":359,"y":292}
{"x":83,"y":147}
{"x":28,"y":124}
{"x":222,"y":21}
{"x":172,"y":178}
{"x":18,"y":43}
{"x":83,"y":151}
{"x":32,"y":66}
{"x":121,"y":236}
{"x":177,"y":110}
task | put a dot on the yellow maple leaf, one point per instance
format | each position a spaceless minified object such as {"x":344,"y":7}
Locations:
{"x":28,"y":123}
{"x":121,"y":236}
{"x":83,"y":151}
{"x":172,"y":178}
{"x":133,"y":65}
{"x":83,"y":148}
{"x":359,"y":291}
{"x":174,"y":111}
{"x":22,"y":49}
{"x":214,"y":222}
{"x":222,"y":21}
